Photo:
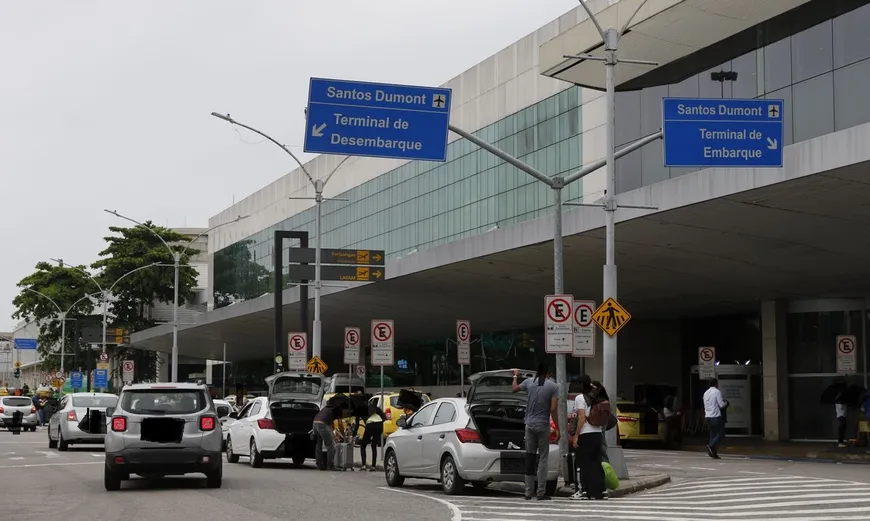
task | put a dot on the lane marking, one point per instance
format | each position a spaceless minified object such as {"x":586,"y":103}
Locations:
{"x":17,"y":458}
{"x":750,"y":472}
{"x":701,"y":468}
{"x":48,"y":464}
{"x":456,"y":515}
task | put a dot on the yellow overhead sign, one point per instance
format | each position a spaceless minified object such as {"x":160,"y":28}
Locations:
{"x":316,"y":365}
{"x":611,"y":317}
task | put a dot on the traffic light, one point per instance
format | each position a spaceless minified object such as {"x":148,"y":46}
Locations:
{"x":16,"y":373}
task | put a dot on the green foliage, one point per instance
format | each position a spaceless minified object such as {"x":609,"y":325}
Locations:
{"x":240,"y":276}
{"x":67,"y":287}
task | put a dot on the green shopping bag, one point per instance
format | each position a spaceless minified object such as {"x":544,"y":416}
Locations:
{"x":610,"y":479}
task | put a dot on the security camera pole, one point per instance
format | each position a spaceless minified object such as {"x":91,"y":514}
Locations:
{"x":318,"y":185}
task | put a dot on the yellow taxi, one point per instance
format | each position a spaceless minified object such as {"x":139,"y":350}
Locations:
{"x":639,"y":423}
{"x":392,"y":411}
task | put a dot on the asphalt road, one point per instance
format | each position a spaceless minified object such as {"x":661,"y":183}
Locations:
{"x":42,"y":483}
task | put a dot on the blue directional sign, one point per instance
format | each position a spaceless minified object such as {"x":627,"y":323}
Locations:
{"x":101,"y":378}
{"x":377,"y":120}
{"x":25,"y":343}
{"x":731,"y":133}
{"x":76,"y":381}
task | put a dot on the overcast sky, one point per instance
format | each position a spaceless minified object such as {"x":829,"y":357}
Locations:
{"x":105,"y":104}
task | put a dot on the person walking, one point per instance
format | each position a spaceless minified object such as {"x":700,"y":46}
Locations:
{"x":374,"y":429}
{"x":541,"y":407}
{"x":840,"y":409}
{"x":714,"y":404}
{"x":588,"y":443}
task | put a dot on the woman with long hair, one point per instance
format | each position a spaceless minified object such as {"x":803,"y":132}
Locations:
{"x":587,"y":440}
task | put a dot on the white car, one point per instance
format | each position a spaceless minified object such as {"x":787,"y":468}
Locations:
{"x":224,"y":410}
{"x":457,"y":441}
{"x":278,"y":425}
{"x":67,"y":425}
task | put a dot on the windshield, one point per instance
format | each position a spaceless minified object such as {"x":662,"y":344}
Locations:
{"x":164,"y":401}
{"x":17,"y":402}
{"x":95,"y":401}
{"x":297,"y":385}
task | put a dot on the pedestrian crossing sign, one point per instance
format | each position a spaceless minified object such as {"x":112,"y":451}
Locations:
{"x":611,"y":317}
{"x":316,"y":365}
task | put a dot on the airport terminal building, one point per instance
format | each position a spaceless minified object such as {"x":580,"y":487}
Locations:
{"x":767,"y":265}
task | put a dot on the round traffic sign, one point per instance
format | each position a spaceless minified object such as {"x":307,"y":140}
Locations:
{"x":128,"y":366}
{"x":382,"y":331}
{"x":297,"y":343}
{"x":559,"y":310}
{"x":104,"y":357}
{"x":58,"y":374}
{"x":351,"y":336}
{"x":463,"y":331}
{"x":583,"y":314}
{"x":706,"y":354}
{"x":361,"y":371}
{"x":846,"y":345}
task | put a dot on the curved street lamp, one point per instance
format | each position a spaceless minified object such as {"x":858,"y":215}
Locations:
{"x":176,"y":257}
{"x":63,"y":315}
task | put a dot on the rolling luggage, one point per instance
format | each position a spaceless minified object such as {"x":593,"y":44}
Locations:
{"x":344,"y":455}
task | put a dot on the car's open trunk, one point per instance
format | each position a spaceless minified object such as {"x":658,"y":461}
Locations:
{"x":293,"y":417}
{"x":501,"y":426}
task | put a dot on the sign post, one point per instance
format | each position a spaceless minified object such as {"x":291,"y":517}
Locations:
{"x":463,"y":350}
{"x":730,"y":133}
{"x":847,"y":359}
{"x":297,"y":352}
{"x":584,"y":330}
{"x":559,"y":337}
{"x":352,"y":338}
{"x":383,"y":333}
{"x":76,"y":380}
{"x":706,"y":363}
{"x":128,"y":367}
{"x":24,"y":343}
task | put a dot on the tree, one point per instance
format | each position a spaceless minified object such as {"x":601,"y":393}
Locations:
{"x":67,"y":287}
{"x":237,"y":277}
{"x":134,"y":294}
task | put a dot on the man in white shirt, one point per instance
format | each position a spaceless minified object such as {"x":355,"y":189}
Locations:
{"x":713,"y":405}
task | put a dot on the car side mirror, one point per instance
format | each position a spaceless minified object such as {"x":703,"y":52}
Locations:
{"x":110,"y":411}
{"x":234,"y":415}
{"x":402,"y":423}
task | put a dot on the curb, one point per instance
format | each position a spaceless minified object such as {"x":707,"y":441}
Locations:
{"x":640,"y":484}
{"x":806,"y":457}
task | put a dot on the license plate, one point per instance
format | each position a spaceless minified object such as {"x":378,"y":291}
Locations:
{"x":511,"y":464}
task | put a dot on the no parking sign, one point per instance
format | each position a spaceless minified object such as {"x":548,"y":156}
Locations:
{"x":847,"y":359}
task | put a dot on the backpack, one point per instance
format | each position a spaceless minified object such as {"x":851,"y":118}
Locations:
{"x":599,"y":414}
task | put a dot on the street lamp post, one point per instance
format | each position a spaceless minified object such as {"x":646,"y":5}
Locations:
{"x":176,"y":262}
{"x":318,"y":185}
{"x":63,"y":314}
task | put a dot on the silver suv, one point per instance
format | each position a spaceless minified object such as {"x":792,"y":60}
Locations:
{"x":163,"y":429}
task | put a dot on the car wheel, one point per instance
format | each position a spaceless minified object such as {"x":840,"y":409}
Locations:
{"x":62,"y":444}
{"x":256,"y":459}
{"x":552,"y":487}
{"x":232,"y":457}
{"x":391,"y":470}
{"x":451,"y":483}
{"x":213,"y":479}
{"x":52,"y":444}
{"x":299,"y":460}
{"x":111,"y":480}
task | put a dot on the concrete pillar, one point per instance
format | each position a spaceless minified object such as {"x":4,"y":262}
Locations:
{"x":774,"y":370}
{"x":163,"y":367}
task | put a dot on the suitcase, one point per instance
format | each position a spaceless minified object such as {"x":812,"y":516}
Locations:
{"x":344,"y":455}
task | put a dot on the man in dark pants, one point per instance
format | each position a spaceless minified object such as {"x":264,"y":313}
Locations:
{"x":541,"y":407}
{"x":713,"y":406}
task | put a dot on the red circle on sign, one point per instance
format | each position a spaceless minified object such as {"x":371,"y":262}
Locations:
{"x":846,"y":346}
{"x":552,"y":307}
{"x":589,"y":312}
{"x":706,"y":354}
{"x":352,"y":337}
{"x":462,"y":331}
{"x":376,"y":330}
{"x":128,"y":365}
{"x":297,"y":346}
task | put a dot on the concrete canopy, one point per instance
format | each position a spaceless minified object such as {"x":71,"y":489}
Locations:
{"x":663,"y":31}
{"x":722,"y":241}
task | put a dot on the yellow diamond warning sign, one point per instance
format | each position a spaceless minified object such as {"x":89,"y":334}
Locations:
{"x":611,"y":317}
{"x":316,"y":365}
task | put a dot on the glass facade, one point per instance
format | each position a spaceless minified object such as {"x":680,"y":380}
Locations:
{"x":820,"y":72}
{"x":423,"y":203}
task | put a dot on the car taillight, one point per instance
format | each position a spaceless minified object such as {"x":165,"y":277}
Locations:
{"x":119,"y":423}
{"x":468,"y":436}
{"x":32,"y":410}
{"x":206,"y":423}
{"x":71,"y":416}
{"x":626,"y":419}
{"x":388,"y":413}
{"x":553,"y":438}
{"x":265,"y":423}
{"x":1,"y":410}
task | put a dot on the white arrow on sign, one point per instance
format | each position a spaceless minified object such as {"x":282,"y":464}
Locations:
{"x":317,"y":131}
{"x":772,"y":144}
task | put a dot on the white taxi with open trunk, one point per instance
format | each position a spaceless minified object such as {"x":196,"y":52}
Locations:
{"x":458,"y":441}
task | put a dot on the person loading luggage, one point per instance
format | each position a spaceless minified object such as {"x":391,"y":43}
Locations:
{"x":374,"y":429}
{"x":323,"y":423}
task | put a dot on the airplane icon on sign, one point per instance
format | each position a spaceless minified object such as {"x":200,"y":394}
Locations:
{"x":772,"y":111}
{"x":438,"y":101}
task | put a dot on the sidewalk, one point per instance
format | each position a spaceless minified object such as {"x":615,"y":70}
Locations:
{"x":783,"y":450}
{"x":639,"y":480}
